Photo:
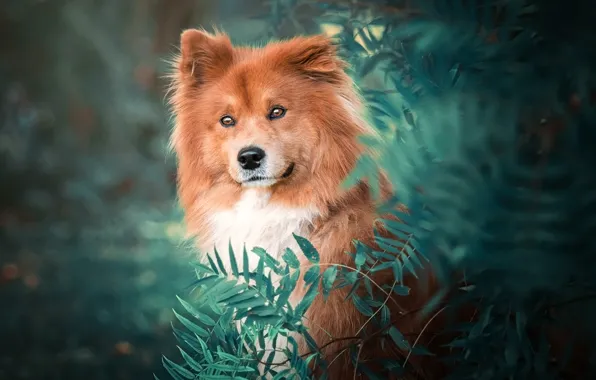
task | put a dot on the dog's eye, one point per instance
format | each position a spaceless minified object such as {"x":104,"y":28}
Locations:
{"x":276,"y":113}
{"x":227,"y":121}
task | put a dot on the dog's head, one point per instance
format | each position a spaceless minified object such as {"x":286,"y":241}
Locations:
{"x":276,"y":116}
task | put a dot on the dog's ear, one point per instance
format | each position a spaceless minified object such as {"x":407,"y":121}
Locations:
{"x":204,"y":56}
{"x":316,"y":56}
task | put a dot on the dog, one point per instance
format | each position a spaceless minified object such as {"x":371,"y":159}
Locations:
{"x":265,"y":137}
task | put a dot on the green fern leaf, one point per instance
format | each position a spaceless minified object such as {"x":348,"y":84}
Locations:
{"x":248,"y":303}
{"x":233,"y":263}
{"x":220,"y":264}
{"x":291,"y":259}
{"x":245,"y":264}
{"x":197,"y":314}
{"x":240,"y":296}
{"x":269,"y":261}
{"x":329,"y":277}
{"x":260,"y":275}
{"x":202,"y":269}
{"x":398,"y":338}
{"x":212,"y":264}
{"x":177,"y":371}
{"x":312,"y":275}
{"x":191,"y":326}
{"x":193,"y":364}
{"x":307,"y":249}
{"x":362,"y":306}
{"x":207,"y":281}
{"x":234,"y":290}
{"x":308,"y":299}
{"x":398,"y":273}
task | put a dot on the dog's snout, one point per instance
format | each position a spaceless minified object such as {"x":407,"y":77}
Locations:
{"x":250,"y":158}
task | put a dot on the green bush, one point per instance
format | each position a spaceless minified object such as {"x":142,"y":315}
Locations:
{"x":488,"y":107}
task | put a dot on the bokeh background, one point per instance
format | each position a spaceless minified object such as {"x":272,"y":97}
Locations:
{"x":90,"y":233}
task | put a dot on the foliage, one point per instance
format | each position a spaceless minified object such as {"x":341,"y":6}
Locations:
{"x":487,"y":116}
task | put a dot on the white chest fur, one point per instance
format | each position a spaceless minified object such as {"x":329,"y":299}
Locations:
{"x":255,"y":222}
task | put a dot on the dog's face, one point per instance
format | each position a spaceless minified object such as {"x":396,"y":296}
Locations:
{"x":259,"y":128}
{"x":262,"y":117}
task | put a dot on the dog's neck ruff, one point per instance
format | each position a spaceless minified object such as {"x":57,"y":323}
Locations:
{"x":256,"y":222}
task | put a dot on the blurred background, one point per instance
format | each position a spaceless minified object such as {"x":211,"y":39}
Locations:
{"x":90,"y":233}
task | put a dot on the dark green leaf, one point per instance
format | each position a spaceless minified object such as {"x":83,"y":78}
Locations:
{"x":197,"y":314}
{"x":193,"y":364}
{"x":290,"y":258}
{"x":241,"y":296}
{"x":398,"y":338}
{"x":233,"y":263}
{"x":220,"y":264}
{"x":269,"y":260}
{"x":329,"y":277}
{"x":192,"y":326}
{"x":307,"y":249}
{"x":362,"y":306}
{"x":401,"y":290}
{"x":212,"y":264}
{"x":175,"y":369}
{"x":312,"y":274}
{"x":245,"y":264}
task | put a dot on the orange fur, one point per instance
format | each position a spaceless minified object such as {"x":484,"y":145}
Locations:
{"x":318,"y":134}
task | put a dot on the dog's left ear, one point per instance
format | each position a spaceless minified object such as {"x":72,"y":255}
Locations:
{"x":316,"y":56}
{"x":204,"y":56}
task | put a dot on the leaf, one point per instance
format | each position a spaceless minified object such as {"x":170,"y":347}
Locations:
{"x":360,"y":256}
{"x":190,"y":361}
{"x":401,"y":290}
{"x":482,"y":323}
{"x":219,"y":262}
{"x":184,"y":337}
{"x":329,"y":277}
{"x":230,"y":368}
{"x":245,"y":264}
{"x":264,"y":320}
{"x":368,"y":286}
{"x":290,"y":258}
{"x":283,"y":374}
{"x":398,"y":338}
{"x":212,"y":264}
{"x":202,"y":269}
{"x":406,"y":262}
{"x":234,"y":290}
{"x":398,"y":273}
{"x":241,"y":296}
{"x":269,"y":260}
{"x":251,"y":302}
{"x":362,"y":306}
{"x":385,"y":316}
{"x":221,"y":286}
{"x":260,"y":273}
{"x":225,"y":356}
{"x":382,"y":266}
{"x":176,"y":370}
{"x":207,"y":281}
{"x":197,"y":314}
{"x":191,"y":326}
{"x":233,"y":263}
{"x":312,"y":274}
{"x":307,"y":300}
{"x":307,"y":249}
{"x":421,"y":351}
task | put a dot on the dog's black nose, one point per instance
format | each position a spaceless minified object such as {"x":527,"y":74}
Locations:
{"x":250,"y":158}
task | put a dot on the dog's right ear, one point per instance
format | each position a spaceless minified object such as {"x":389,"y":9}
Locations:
{"x":204,"y":56}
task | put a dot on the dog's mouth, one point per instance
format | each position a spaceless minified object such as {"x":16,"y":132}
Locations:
{"x":285,"y":175}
